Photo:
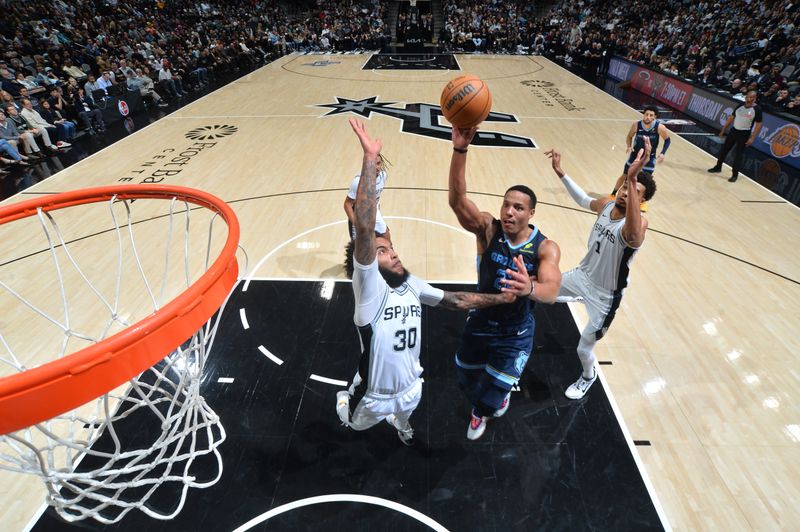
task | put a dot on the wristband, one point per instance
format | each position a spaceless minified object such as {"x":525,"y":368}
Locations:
{"x":666,"y":146}
{"x":531,"y":292}
{"x":460,"y":150}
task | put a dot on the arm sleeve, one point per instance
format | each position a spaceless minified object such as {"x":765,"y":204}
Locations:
{"x":351,"y":193}
{"x":577,"y":193}
{"x":428,"y":295}
{"x":368,"y":290}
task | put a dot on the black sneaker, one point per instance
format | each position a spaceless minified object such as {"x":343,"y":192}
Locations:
{"x":733,"y":178}
{"x":714,"y":170}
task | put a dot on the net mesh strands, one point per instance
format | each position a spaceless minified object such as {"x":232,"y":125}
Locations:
{"x":140,"y":443}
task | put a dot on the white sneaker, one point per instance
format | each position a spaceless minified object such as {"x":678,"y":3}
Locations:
{"x":406,"y":435}
{"x":62,"y":144}
{"x":579,"y":388}
{"x":343,"y":406}
{"x":477,"y":426}
{"x":504,"y":407}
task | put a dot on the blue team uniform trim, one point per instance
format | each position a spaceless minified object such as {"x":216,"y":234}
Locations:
{"x":464,"y":365}
{"x":502,"y":377}
{"x":530,"y":239}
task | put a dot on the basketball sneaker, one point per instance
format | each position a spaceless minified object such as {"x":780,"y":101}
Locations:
{"x":343,"y":406}
{"x":406,"y":435}
{"x":504,"y":406}
{"x":579,"y":388}
{"x":477,"y":426}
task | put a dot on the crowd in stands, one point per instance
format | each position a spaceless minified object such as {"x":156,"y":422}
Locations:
{"x":58,"y":58}
{"x":734,"y":46}
{"x":414,"y":21}
{"x":335,"y":25}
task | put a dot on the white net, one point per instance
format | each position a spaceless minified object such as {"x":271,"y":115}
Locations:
{"x":141,"y":445}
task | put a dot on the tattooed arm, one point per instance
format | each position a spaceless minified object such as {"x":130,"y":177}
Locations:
{"x":470,"y":300}
{"x":365,"y":205}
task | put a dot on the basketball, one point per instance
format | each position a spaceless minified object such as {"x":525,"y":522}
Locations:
{"x":466,"y":101}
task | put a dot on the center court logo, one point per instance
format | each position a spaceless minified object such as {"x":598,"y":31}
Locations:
{"x":423,"y":119}
{"x":322,"y":63}
{"x":211,"y":132}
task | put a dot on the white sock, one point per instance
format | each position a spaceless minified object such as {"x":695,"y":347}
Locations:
{"x":587,"y":357}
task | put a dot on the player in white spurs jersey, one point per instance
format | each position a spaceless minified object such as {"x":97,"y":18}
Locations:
{"x":388,"y":314}
{"x":601,"y":277}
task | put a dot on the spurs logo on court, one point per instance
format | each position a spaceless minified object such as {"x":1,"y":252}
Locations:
{"x":322,"y":63}
{"x":211,"y":132}
{"x":423,"y":119}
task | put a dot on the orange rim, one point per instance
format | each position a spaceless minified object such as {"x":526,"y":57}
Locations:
{"x":59,"y":386}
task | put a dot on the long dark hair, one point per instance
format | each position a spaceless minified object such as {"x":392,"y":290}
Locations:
{"x":348,"y":258}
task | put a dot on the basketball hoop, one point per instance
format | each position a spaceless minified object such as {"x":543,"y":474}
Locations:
{"x":65,"y":420}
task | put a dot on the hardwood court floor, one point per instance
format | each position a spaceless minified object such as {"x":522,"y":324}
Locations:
{"x":702,"y":351}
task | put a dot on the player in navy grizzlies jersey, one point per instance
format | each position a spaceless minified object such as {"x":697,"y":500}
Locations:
{"x":651,"y":128}
{"x":388,"y":314}
{"x":497,"y":341}
{"x":600,"y":278}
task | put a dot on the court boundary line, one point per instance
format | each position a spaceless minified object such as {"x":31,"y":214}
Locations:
{"x":306,"y":74}
{"x":651,"y":490}
{"x":564,"y":118}
{"x":493,"y":194}
{"x":238,"y":116}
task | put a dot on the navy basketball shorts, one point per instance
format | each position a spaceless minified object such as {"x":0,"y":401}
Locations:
{"x":649,"y":166}
{"x":499,"y":349}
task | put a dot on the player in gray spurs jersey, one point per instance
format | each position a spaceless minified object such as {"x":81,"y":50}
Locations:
{"x":600,"y":278}
{"x":388,"y":314}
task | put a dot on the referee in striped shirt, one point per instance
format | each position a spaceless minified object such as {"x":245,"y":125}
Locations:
{"x":746,"y":120}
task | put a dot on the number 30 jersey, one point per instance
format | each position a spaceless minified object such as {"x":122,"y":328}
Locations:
{"x":389,"y":322}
